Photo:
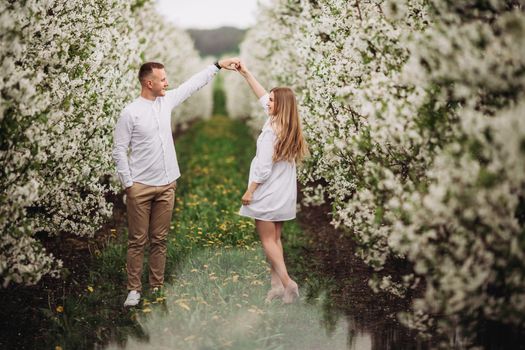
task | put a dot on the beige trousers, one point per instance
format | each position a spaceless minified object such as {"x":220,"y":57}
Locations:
{"x":149,"y":216}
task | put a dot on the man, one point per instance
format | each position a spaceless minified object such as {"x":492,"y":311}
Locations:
{"x":150,"y":172}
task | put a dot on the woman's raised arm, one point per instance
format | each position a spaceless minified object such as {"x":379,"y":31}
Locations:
{"x":250,"y":79}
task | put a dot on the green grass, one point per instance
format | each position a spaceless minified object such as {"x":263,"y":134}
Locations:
{"x":217,"y":303}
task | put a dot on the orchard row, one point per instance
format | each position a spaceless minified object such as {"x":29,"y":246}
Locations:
{"x":414,"y":113}
{"x":68,"y":69}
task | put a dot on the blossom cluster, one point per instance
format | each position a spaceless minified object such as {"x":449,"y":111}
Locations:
{"x":413,"y":112}
{"x":68,"y":69}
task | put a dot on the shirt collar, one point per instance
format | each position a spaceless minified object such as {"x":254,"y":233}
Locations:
{"x":145,"y":100}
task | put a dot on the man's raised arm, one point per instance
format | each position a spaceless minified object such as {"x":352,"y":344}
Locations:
{"x":198,"y":80}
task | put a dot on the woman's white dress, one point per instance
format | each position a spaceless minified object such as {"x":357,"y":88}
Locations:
{"x":276,"y":197}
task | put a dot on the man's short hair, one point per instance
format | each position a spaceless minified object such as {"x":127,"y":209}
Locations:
{"x":147,"y":68}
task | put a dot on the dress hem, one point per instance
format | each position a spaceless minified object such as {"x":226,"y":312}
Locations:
{"x":256,"y":218}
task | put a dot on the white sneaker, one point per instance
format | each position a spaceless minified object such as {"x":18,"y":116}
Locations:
{"x":133,"y":298}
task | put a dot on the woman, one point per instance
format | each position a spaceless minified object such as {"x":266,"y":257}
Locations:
{"x":272,"y":186}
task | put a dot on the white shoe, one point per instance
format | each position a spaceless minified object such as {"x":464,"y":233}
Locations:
{"x":133,"y":298}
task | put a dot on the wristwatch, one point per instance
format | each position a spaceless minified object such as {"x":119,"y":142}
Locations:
{"x":216,"y":63}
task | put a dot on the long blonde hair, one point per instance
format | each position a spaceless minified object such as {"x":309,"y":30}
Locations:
{"x":290,"y":143}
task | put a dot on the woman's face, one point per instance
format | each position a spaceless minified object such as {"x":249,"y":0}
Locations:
{"x":271,"y":104}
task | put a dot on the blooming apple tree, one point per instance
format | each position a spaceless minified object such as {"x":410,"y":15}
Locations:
{"x":413,"y":112}
{"x":68,"y":69}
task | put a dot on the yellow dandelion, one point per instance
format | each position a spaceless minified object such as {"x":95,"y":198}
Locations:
{"x":60,"y":308}
{"x":183,"y":305}
{"x":90,"y":289}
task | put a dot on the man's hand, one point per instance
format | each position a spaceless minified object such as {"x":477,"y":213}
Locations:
{"x":126,"y":189}
{"x":230,"y":63}
{"x":247,"y":198}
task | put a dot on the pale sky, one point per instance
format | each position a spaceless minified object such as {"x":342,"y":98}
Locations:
{"x":209,"y":14}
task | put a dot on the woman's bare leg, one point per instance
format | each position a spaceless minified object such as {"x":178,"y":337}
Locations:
{"x":267,"y":231}
{"x":276,"y":281}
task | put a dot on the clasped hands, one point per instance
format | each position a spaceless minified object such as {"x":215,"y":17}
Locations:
{"x":233,"y":63}
{"x":230,"y":63}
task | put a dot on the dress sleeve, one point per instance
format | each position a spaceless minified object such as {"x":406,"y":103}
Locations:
{"x":264,"y":160}
{"x":264,"y":102}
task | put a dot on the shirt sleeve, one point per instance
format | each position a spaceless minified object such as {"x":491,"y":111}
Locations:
{"x":264,"y":102}
{"x":121,"y":142}
{"x":176,"y":96}
{"x":264,"y":160}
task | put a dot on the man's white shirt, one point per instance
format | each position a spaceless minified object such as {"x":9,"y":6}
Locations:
{"x":144,"y":128}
